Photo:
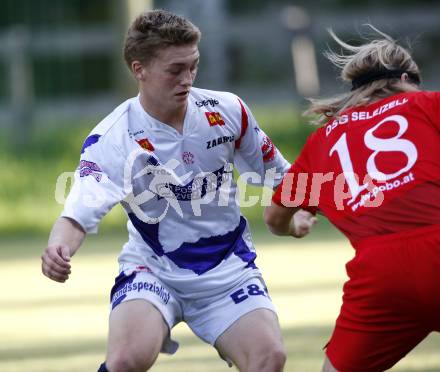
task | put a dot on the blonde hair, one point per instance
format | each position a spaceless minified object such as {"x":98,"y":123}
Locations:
{"x":369,"y":59}
{"x":154,"y":30}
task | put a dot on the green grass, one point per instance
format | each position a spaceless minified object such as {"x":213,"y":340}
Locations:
{"x":51,"y":327}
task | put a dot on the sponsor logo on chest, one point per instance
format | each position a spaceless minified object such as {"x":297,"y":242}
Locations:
{"x":188,"y":157}
{"x":218,"y":141}
{"x":214,"y":118}
{"x":145,"y":144}
{"x":210,"y":101}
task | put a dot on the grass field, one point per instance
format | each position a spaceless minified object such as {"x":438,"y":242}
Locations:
{"x":51,"y":327}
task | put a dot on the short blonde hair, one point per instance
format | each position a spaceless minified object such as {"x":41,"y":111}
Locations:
{"x":373,"y":69}
{"x":154,"y":30}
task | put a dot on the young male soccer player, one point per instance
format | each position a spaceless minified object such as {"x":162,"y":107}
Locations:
{"x":166,"y":156}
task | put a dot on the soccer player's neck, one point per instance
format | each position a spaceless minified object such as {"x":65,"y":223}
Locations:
{"x":167,"y":113}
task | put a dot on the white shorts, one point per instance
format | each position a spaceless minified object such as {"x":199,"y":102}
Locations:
{"x":207,"y":317}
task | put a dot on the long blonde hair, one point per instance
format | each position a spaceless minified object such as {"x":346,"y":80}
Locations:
{"x":382,"y":54}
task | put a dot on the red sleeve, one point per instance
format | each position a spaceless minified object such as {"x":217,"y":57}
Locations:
{"x":436,"y":118}
{"x":294,"y":190}
{"x":429,"y":103}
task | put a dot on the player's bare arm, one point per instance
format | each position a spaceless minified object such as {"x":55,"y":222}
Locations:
{"x":288,"y":221}
{"x":64,"y":240}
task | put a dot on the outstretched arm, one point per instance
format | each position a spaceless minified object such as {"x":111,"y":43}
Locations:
{"x":64,"y":240}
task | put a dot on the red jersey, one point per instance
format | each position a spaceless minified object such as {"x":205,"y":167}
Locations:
{"x":375,"y":170}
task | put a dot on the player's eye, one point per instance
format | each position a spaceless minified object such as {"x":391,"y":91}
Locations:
{"x":174,"y":71}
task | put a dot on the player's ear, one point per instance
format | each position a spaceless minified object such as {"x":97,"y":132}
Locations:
{"x":138,"y":70}
{"x":404,"y":77}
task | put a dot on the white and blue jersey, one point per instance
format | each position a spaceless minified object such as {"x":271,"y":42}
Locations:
{"x":177,"y":189}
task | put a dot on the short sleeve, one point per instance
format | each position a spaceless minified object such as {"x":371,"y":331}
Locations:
{"x":98,"y":184}
{"x":294,"y":190}
{"x":255,"y":151}
{"x":436,"y":118}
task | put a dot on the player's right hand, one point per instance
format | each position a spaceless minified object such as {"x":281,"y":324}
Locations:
{"x":302,"y":223}
{"x":56,"y":262}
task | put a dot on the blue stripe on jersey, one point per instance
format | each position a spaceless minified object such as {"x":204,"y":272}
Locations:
{"x":90,"y":140}
{"x":202,"y":255}
{"x":197,"y":187}
{"x":149,"y":233}
{"x":207,"y":253}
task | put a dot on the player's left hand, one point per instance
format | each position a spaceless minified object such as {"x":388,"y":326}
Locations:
{"x":301,"y":223}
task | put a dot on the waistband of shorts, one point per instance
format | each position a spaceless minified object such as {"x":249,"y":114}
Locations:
{"x":399,"y":236}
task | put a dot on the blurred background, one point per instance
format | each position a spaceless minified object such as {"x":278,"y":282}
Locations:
{"x":61,"y":72}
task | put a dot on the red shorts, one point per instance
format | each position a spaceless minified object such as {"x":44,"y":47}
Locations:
{"x":391,"y":301}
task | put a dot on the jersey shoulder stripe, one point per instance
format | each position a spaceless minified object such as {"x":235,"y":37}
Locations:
{"x":244,"y":125}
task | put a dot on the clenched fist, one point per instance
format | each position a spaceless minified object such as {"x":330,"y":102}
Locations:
{"x":301,"y":223}
{"x":56,"y":262}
